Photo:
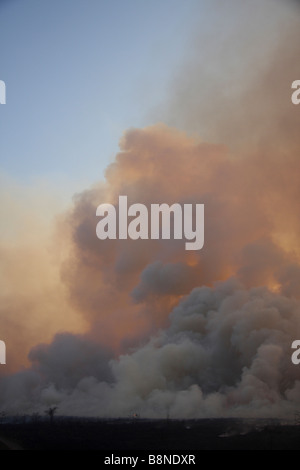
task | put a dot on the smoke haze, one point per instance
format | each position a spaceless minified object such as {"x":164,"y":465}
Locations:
{"x":117,"y":327}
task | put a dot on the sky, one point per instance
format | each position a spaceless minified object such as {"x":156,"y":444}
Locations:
{"x":163,"y":101}
{"x":78,"y":74}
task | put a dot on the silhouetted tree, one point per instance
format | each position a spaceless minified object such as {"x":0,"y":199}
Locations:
{"x":51,"y":412}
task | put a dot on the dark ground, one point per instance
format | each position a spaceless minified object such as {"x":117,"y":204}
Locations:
{"x":164,"y":435}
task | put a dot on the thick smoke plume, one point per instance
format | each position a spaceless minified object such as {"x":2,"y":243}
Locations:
{"x":226,"y":352}
{"x":163,"y":331}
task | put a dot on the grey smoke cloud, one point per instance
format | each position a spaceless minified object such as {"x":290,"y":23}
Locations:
{"x":235,"y":86}
{"x":164,"y":279}
{"x":77,"y":357}
{"x":226,"y":352}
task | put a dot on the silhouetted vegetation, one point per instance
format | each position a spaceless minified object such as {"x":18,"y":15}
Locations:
{"x":141,"y":434}
{"x":51,"y":412}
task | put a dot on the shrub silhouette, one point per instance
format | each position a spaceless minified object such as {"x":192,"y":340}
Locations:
{"x":51,"y":412}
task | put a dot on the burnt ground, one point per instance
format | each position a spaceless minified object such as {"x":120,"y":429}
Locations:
{"x":156,"y":435}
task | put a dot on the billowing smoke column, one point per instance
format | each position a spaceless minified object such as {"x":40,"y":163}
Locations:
{"x":226,"y":352}
{"x":164,"y":339}
{"x":161,"y":331}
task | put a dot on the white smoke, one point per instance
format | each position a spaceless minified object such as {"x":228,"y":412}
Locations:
{"x":226,"y":352}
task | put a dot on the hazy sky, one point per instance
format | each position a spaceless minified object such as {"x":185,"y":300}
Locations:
{"x":78,"y":73}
